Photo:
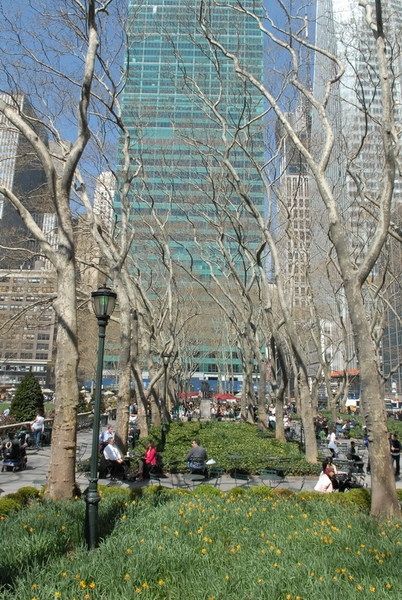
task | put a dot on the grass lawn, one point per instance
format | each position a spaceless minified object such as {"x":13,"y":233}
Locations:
{"x":245,"y":545}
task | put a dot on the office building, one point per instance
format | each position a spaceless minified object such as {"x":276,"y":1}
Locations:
{"x":294,"y":223}
{"x":27,"y":322}
{"x":173,"y":75}
{"x":173,"y":78}
{"x":105,"y":188}
{"x":22,"y":173}
{"x":354,"y":110}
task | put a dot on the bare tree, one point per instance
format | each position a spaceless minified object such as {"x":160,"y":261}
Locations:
{"x":81,"y":23}
{"x":353,"y":274}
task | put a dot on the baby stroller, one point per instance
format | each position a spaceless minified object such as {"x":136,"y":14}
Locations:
{"x":14,"y":457}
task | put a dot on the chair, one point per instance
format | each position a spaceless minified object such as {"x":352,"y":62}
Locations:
{"x":272,"y":477}
{"x":237,"y":471}
{"x":197,"y":467}
{"x":81,"y":451}
{"x":193,"y":479}
{"x":215,"y":473}
{"x":155,"y":475}
{"x":276,"y":471}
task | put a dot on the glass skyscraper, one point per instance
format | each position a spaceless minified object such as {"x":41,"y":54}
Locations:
{"x":354,"y":110}
{"x":178,"y":89}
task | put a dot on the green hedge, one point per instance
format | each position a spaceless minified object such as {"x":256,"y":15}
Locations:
{"x":223,"y":439}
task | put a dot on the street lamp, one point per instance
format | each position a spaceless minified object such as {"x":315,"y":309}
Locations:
{"x":103,"y":301}
{"x":165,"y":358}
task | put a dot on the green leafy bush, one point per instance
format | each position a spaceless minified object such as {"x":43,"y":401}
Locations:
{"x":357,"y":498}
{"x":224,"y":440}
{"x":26,"y":494}
{"x":206,"y":490}
{"x":28,"y":399}
{"x":9,"y":504}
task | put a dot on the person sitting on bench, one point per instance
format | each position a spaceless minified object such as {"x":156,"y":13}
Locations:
{"x":197,"y":458}
{"x":115,"y":459}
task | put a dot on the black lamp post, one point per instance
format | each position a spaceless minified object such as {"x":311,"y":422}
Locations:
{"x":103,"y":301}
{"x":165,"y":358}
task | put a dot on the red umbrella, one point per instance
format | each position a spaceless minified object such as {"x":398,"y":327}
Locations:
{"x":224,"y":397}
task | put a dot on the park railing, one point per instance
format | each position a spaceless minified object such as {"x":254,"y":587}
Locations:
{"x":84,"y":421}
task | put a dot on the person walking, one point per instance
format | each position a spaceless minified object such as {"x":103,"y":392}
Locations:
{"x":332,"y":444}
{"x":395,"y":447}
{"x":37,"y":428}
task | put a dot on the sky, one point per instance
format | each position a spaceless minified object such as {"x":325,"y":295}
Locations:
{"x":35,"y":24}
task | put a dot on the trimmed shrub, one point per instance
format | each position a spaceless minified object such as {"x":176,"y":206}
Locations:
{"x":28,"y":399}
{"x":26,"y":494}
{"x":358,"y":498}
{"x":9,"y":504}
{"x":223,"y":441}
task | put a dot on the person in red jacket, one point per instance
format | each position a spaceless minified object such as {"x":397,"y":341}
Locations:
{"x":150,"y":459}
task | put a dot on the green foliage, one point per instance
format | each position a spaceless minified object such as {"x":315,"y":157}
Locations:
{"x":206,"y":490}
{"x":48,"y":530}
{"x":256,"y":546}
{"x":223,"y":440}
{"x":26,"y":494}
{"x":28,"y":399}
{"x":357,"y":498}
{"x":8,"y":504}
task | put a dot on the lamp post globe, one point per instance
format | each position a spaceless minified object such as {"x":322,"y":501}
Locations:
{"x":103,"y":302}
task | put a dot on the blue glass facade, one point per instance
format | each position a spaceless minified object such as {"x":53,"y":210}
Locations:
{"x":173,"y":78}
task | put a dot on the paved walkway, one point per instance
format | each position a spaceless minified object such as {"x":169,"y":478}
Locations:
{"x":37,"y":466}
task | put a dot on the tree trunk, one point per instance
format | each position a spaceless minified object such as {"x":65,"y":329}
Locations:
{"x":306,"y":413}
{"x":262,"y":412}
{"x":279,"y":428}
{"x":384,"y":499}
{"x":156,"y":417}
{"x":247,"y":395}
{"x":124,"y":393}
{"x":61,"y":475}
{"x":142,"y":419}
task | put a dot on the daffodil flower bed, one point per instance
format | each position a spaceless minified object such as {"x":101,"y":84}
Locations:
{"x":254,"y":544}
{"x":43,"y":531}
